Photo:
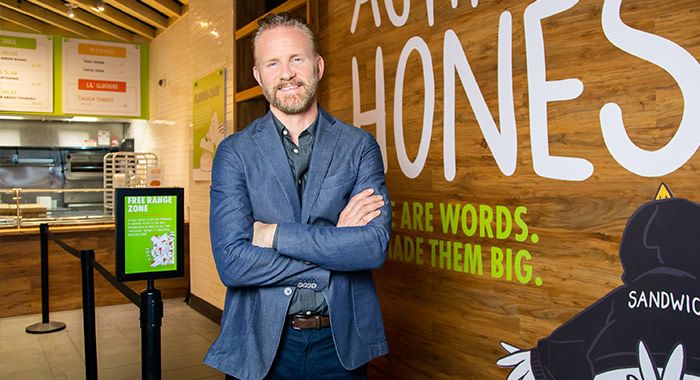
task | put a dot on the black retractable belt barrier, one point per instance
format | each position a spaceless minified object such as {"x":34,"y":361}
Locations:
{"x":150,"y":304}
{"x":45,"y":326}
{"x":87,"y":261}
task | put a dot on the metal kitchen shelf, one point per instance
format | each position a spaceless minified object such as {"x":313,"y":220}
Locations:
{"x":125,"y":169}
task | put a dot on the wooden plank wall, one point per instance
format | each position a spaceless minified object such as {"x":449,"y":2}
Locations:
{"x":444,"y":321}
{"x":20,"y":271}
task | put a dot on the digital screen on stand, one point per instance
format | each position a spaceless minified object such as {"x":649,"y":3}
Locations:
{"x":149,"y":229}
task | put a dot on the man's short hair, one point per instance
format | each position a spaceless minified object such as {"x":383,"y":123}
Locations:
{"x":274,"y":20}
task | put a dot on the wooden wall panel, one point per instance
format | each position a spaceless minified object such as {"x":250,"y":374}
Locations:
{"x":446,"y":324}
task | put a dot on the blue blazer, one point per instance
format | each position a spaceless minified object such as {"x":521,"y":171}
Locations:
{"x":252,"y":181}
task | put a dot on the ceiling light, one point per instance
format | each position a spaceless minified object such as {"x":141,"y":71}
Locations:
{"x":84,"y":118}
{"x":71,"y":12}
{"x":100,"y":6}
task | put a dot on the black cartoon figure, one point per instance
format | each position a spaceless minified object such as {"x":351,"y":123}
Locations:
{"x":651,"y":320}
{"x":672,"y":371}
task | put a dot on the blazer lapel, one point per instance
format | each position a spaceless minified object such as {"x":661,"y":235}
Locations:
{"x":327,"y":135}
{"x":272,"y":152}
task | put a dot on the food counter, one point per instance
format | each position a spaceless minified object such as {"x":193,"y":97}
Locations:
{"x":20,"y":271}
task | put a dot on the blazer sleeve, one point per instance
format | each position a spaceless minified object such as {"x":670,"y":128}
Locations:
{"x":238,"y":261}
{"x":345,"y":248}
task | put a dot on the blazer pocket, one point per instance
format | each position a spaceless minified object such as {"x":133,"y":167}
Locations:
{"x":338,"y":180}
{"x":366,"y":310}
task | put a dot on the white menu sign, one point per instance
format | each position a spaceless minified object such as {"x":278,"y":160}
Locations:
{"x":101,"y":78}
{"x":26,"y":72}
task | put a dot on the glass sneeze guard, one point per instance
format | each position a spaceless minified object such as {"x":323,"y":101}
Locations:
{"x":30,"y":207}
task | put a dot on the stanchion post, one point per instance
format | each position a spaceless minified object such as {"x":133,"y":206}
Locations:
{"x":87,"y":265}
{"x":44,"y":234}
{"x":45,"y":326}
{"x":151,"y":320}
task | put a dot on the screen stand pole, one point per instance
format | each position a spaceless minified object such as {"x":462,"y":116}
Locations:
{"x":151,"y":320}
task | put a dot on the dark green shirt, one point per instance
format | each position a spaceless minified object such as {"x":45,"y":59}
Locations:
{"x":304,"y":301}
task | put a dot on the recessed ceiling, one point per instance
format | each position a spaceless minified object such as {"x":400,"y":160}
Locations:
{"x":135,"y":21}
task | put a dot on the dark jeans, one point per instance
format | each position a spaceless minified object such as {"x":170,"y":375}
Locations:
{"x":309,"y":355}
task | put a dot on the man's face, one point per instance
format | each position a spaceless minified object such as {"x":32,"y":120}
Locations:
{"x":286,"y":69}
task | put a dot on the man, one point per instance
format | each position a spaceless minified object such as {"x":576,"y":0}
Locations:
{"x":299,"y":218}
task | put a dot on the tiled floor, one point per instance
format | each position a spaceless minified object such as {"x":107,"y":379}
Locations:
{"x":185,"y":338}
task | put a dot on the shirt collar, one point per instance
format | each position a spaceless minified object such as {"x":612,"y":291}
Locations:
{"x":281,"y":128}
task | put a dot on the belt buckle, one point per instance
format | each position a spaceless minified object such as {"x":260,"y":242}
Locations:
{"x":301,"y":317}
{"x":317,"y":321}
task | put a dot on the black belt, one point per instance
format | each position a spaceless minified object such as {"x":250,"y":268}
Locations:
{"x":308,"y":322}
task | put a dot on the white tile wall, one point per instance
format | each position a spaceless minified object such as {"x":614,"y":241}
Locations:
{"x":199,"y":43}
{"x":211,"y":44}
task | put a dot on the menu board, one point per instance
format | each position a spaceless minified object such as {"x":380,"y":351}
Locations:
{"x":101,"y":78}
{"x":26,"y":72}
{"x":149,"y":225}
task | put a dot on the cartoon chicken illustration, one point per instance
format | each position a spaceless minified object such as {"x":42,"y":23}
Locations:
{"x":162,"y":251}
{"x":209,"y":142}
{"x":646,"y":329}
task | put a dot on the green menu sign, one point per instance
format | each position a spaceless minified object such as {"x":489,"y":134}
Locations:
{"x":149,"y":224}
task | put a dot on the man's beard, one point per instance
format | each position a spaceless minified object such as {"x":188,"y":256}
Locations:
{"x":291,"y":103}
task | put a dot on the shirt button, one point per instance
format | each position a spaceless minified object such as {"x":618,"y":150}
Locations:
{"x":284,"y":132}
{"x":295,"y":150}
{"x":299,"y":181}
{"x":287,"y":291}
{"x":307,"y":262}
{"x":308,"y":312}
